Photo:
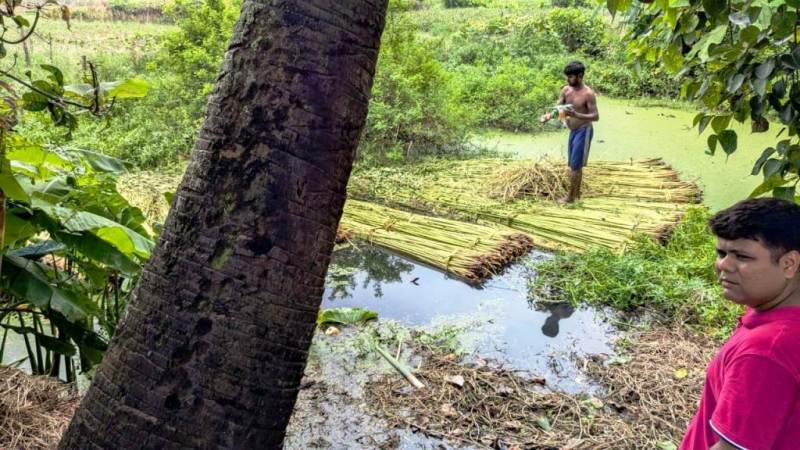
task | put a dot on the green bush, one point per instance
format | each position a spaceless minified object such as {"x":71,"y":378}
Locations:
{"x":675,"y":280}
{"x":578,"y":29}
{"x":414,"y":108}
{"x":510,"y":96}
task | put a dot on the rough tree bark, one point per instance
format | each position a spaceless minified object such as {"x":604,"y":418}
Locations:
{"x":214,"y":343}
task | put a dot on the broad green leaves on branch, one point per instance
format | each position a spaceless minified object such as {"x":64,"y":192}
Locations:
{"x":739,"y":59}
{"x":71,"y":246}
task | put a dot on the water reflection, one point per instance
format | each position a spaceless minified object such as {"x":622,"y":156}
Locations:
{"x":376,"y":267}
{"x":557,"y":312}
{"x":502,"y":324}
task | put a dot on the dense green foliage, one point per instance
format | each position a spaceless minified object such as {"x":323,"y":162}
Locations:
{"x":740,"y":59}
{"x":70,"y":244}
{"x":675,"y":280}
{"x":442,"y":73}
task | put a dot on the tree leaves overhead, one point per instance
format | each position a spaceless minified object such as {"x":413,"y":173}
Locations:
{"x":739,"y":59}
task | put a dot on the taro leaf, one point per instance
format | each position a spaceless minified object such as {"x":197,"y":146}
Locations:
{"x":761,"y":160}
{"x":99,"y":251}
{"x":123,"y":238}
{"x":544,"y":423}
{"x":28,"y":152}
{"x":786,"y":193}
{"x":764,"y":69}
{"x":29,"y":280}
{"x":103,"y":163}
{"x":666,"y":445}
{"x":39,"y":249}
{"x":18,"y":229}
{"x":11,"y":187}
{"x":130,"y":88}
{"x":346,"y":316}
{"x":728,"y":140}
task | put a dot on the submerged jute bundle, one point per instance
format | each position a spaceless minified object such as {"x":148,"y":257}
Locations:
{"x":469,"y":250}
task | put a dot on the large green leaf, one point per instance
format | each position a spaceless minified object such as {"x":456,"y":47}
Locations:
{"x":17,"y":229}
{"x":123,"y":238}
{"x":9,"y":184}
{"x":700,"y":49}
{"x":130,"y":88}
{"x":103,"y":163}
{"x":346,"y":316}
{"x":39,"y":249}
{"x":728,"y":140}
{"x":29,"y":280}
{"x":99,"y":251}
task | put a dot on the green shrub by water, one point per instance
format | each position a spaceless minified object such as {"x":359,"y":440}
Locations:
{"x":675,"y":281}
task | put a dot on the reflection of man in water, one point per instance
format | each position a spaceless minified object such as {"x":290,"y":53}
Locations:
{"x":557,"y":312}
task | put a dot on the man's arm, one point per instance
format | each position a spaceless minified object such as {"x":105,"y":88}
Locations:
{"x":591,"y":106}
{"x":562,"y":100}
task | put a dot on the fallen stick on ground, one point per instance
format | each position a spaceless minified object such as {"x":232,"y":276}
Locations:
{"x":399,"y":367}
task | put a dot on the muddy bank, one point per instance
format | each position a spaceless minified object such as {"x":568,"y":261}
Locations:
{"x":647,"y":394}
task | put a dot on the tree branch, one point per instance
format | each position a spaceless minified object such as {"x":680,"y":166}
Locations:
{"x":46,"y":94}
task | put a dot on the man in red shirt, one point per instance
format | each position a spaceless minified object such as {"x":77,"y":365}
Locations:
{"x":751,"y":397}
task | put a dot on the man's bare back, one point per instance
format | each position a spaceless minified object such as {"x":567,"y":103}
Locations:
{"x":583,"y":102}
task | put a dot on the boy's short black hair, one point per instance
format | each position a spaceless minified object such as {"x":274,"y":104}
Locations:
{"x":772,"y":221}
{"x":575,"y":68}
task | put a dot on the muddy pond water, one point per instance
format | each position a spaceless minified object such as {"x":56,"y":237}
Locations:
{"x":496,"y":323}
{"x":500,"y":322}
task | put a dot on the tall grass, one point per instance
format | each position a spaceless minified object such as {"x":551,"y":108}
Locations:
{"x":675,"y":281}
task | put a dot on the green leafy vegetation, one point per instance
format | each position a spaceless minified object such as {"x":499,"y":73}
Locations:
{"x":345,"y":316}
{"x":71,"y":245}
{"x":739,"y":59}
{"x":675,"y":280}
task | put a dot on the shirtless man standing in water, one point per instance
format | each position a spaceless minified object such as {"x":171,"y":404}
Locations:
{"x":579,"y":121}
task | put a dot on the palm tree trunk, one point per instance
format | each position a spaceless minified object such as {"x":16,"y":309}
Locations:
{"x":214,"y":343}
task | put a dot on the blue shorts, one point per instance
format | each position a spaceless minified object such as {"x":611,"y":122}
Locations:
{"x":580,"y":139}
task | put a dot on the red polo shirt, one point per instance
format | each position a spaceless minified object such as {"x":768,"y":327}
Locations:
{"x":751,"y":395}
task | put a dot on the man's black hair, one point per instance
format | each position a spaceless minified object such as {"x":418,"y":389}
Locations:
{"x":772,"y":221}
{"x":575,"y":68}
